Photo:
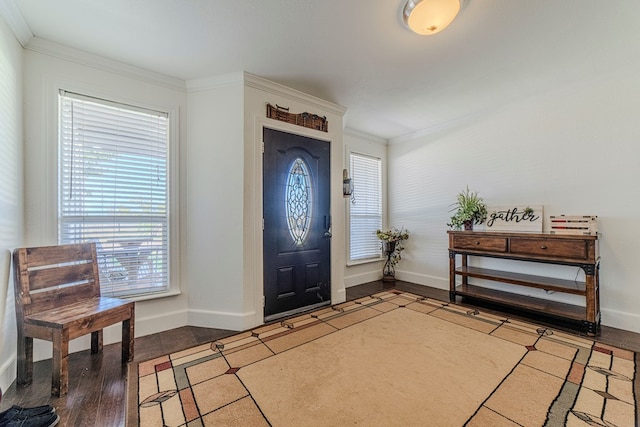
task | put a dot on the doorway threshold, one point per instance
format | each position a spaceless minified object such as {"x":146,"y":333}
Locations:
{"x":299,"y":310}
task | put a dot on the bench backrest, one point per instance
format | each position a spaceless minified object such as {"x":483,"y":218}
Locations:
{"x":48,"y":277}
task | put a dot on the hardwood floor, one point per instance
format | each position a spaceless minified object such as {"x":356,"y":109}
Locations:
{"x":97,"y":383}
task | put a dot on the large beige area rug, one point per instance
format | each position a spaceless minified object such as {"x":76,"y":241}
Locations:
{"x":391,"y":359}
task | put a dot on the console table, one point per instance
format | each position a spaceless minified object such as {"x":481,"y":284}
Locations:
{"x":568,"y":250}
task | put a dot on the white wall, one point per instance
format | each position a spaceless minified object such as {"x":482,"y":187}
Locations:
{"x":49,"y":67}
{"x":11,"y":188}
{"x":573,"y":150}
{"x":215,"y":202}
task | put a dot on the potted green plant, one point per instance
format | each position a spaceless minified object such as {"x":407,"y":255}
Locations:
{"x":392,"y":247}
{"x":469,"y":209}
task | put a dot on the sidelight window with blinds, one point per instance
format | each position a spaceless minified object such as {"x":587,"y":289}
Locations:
{"x":113,"y":190}
{"x":365,"y":213}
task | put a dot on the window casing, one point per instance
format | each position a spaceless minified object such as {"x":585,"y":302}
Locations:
{"x":365,"y":213}
{"x":113,"y":190}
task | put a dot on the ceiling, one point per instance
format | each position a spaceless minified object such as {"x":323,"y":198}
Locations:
{"x":356,"y":53}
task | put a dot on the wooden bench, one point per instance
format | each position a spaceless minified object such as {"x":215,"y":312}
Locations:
{"x":57,"y":290}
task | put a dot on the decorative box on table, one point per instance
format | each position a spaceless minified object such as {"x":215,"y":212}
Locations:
{"x":584,"y":225}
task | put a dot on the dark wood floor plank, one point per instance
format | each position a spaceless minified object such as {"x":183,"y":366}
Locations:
{"x":98,"y":382}
{"x":113,"y":397}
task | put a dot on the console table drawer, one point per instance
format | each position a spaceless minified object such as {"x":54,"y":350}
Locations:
{"x":492,"y":244}
{"x":573,"y":249}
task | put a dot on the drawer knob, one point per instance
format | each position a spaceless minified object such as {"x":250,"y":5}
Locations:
{"x":543,"y":247}
{"x":477,"y":243}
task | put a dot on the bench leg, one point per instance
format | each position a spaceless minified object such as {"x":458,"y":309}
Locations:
{"x":96,"y":342}
{"x":60,"y":372}
{"x":128,"y":336}
{"x":25,"y":359}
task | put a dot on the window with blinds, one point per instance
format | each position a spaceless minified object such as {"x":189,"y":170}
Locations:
{"x":113,"y":190}
{"x":365,"y":214}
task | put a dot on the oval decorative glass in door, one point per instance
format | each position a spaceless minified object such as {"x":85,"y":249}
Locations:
{"x":298,"y":200}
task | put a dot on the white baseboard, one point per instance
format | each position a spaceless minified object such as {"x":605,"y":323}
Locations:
{"x":221,"y":320}
{"x":338,"y":297}
{"x":161,"y":322}
{"x":423,"y":279}
{"x":359,"y":279}
{"x":8,"y":374}
{"x":418,"y":279}
{"x":621,"y":320}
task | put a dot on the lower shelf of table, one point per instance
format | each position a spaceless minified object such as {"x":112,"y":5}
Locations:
{"x":523,"y":302}
{"x":539,"y":282}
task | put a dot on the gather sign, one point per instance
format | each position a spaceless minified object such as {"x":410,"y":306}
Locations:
{"x":514,"y":218}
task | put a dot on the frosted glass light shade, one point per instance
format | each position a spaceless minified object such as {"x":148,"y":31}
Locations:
{"x":428,"y":17}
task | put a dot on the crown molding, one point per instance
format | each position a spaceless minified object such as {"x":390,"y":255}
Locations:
{"x":66,"y":53}
{"x":12,"y":15}
{"x":363,"y":135}
{"x":274,"y":88}
{"x":260,"y":83}
{"x":213,"y":82}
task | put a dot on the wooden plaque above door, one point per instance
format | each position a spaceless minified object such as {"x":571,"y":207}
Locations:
{"x":305,"y":119}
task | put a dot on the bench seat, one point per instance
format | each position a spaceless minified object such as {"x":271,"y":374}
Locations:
{"x":58,"y":299}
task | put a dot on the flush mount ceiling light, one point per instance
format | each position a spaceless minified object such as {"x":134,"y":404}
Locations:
{"x":428,"y":17}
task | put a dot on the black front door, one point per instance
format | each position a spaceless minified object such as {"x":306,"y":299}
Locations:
{"x":297,"y":224}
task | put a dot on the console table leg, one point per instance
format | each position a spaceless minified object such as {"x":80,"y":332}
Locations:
{"x":452,"y":276}
{"x":591,"y":328}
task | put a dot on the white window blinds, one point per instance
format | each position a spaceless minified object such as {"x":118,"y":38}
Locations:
{"x":366,"y":207}
{"x":113,"y":190}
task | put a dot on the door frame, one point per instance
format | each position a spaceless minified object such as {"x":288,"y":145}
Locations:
{"x":338,"y":293}
{"x":313,"y":254}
